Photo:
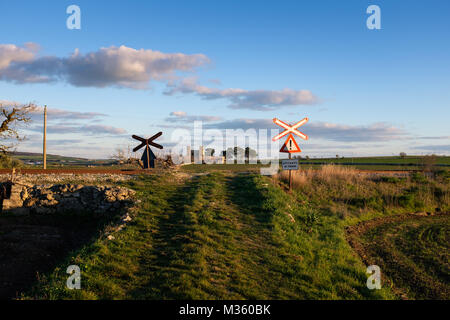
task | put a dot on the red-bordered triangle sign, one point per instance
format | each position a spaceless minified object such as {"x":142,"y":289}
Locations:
{"x":290,"y":146}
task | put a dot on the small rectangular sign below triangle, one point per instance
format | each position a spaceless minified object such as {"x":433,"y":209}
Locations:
{"x":290,"y":146}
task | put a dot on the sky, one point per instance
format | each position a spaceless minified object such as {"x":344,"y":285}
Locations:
{"x":139,"y":67}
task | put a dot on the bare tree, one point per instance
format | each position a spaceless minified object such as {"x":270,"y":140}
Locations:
{"x":210,"y":152}
{"x":119,"y":155}
{"x":13,"y":117}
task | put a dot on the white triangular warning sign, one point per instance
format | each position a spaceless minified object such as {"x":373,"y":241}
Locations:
{"x":290,"y":146}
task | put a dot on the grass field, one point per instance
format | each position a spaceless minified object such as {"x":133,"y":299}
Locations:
{"x":31,"y":160}
{"x":232,"y":235}
{"x":412,"y":250}
{"x":364,"y":163}
{"x":407,"y":160}
{"x":409,"y":163}
{"x":217,"y":236}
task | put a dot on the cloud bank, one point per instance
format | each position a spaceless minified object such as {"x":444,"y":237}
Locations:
{"x":181,"y":116}
{"x":126,"y":67}
{"x":58,"y":120}
{"x":59,"y":114}
{"x":261,"y":100}
{"x":86,"y":129}
{"x":444,"y":148}
{"x":37,"y":113}
{"x":113,"y":66}
{"x":323,"y":130}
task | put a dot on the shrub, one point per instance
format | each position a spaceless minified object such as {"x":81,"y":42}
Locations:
{"x":419,"y":177}
{"x":7,"y":162}
{"x":344,"y":191}
{"x":330,"y":174}
{"x":391,"y":179}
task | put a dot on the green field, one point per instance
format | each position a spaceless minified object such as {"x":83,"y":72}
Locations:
{"x":231,"y":235}
{"x":217,"y":237}
{"x":412,"y":250}
{"x":34,"y":160}
{"x":364,"y":163}
{"x":407,"y":160}
{"x":383,"y":163}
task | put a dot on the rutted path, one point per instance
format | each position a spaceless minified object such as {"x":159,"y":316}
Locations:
{"x":209,"y":243}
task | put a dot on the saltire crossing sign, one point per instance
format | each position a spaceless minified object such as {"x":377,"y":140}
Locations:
{"x":148,"y":157}
{"x":290,"y":145}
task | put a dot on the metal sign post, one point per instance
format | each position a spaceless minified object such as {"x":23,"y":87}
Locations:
{"x":290,"y":145}
{"x":148,"y":158}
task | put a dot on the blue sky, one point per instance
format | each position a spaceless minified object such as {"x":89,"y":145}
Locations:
{"x":373,"y":92}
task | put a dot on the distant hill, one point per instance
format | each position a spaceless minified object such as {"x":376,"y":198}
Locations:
{"x":33,"y":155}
{"x":33,"y":158}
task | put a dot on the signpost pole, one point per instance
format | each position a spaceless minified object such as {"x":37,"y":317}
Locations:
{"x":290,"y":174}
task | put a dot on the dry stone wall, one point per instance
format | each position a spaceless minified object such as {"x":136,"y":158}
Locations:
{"x":43,"y":199}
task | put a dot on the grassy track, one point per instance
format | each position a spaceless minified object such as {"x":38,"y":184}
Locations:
{"x":217,"y":236}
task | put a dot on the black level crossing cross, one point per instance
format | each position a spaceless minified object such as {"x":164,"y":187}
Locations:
{"x":148,"y":157}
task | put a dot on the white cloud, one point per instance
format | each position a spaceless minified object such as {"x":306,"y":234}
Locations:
{"x":435,"y":138}
{"x":113,"y":66}
{"x":37,"y":112}
{"x":57,"y":120}
{"x":59,"y":114}
{"x":181,"y":116}
{"x":86,"y":129}
{"x":262,"y":100}
{"x":10,"y":53}
{"x":338,"y":132}
{"x":323,"y":130}
{"x":443,"y":148}
{"x":131,"y":68}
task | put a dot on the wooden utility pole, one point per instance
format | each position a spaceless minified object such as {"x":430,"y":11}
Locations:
{"x":44,"y":160}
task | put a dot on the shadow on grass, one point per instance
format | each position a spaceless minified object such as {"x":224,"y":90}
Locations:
{"x":245,"y":194}
{"x":32,"y":245}
{"x":169,"y":258}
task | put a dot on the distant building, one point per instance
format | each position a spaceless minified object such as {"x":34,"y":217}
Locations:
{"x":215,"y":159}
{"x":198,"y":156}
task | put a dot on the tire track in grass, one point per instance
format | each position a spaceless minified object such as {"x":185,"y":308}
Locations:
{"x":289,"y":256}
{"x":274,"y":270}
{"x":252,"y":240}
{"x":176,"y":265}
{"x":411,"y":250}
{"x":210,"y":244}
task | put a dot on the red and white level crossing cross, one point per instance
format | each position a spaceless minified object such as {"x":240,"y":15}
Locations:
{"x":290,"y":129}
{"x":290,"y":146}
